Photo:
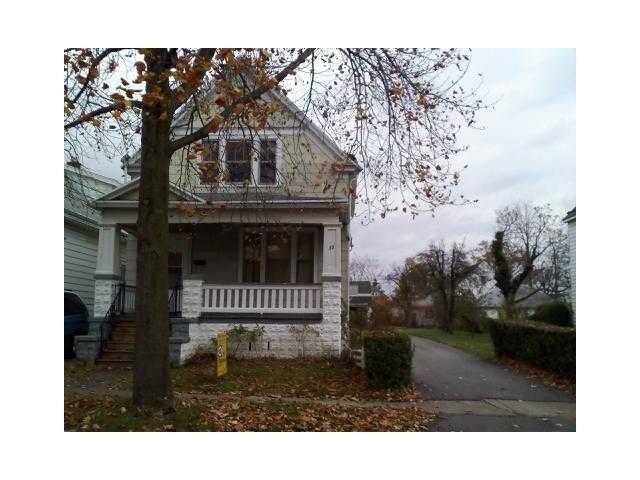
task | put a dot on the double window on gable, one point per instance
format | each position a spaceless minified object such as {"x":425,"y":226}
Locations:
{"x":243,"y":161}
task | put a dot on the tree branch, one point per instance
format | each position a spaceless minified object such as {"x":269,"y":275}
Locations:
{"x":254,"y":95}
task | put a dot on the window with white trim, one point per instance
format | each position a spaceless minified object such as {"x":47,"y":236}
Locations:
{"x":238,"y":156}
{"x":210,"y":165}
{"x":268,"y":151}
{"x":278,"y":256}
{"x":242,"y":160}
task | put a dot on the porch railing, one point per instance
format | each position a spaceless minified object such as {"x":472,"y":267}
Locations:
{"x":126,"y":295}
{"x":262,"y":298}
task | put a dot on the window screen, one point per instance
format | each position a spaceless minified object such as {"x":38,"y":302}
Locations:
{"x":268,"y":161}
{"x":252,"y":244}
{"x":210,"y":165}
{"x":304,"y":262}
{"x":278,"y":266}
{"x":238,"y":158}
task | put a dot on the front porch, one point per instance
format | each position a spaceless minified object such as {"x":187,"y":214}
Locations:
{"x":286,"y":278}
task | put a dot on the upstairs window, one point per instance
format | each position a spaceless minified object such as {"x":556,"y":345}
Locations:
{"x":238,"y":160}
{"x":268,"y":162}
{"x":241,"y":160}
{"x":210,"y":164}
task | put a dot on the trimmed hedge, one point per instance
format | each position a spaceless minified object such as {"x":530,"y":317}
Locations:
{"x":546,"y":346}
{"x":555,"y":313}
{"x":387,"y":358}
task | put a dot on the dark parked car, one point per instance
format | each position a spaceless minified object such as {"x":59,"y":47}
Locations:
{"x":76,"y":321}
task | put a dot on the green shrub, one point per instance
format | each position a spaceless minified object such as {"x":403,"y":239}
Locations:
{"x":387,"y":356}
{"x":546,"y":346}
{"x":556,"y":313}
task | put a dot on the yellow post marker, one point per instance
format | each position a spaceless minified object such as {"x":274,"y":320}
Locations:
{"x":221,"y":357}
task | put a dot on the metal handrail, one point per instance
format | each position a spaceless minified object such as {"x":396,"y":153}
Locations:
{"x":114,"y":310}
{"x":175,"y":301}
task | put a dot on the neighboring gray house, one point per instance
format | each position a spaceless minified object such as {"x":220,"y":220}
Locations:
{"x":81,"y":226}
{"x":360,"y":293}
{"x":269,"y":245}
{"x":570,"y":220}
{"x":361,"y":296}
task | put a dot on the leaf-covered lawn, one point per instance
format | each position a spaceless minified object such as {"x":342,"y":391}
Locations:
{"x":478,"y":344}
{"x":300,"y":377}
{"x":233,"y":413}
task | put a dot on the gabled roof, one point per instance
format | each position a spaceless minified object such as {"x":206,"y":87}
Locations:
{"x":319,"y":135}
{"x":121,"y":193}
{"x":571,"y":215}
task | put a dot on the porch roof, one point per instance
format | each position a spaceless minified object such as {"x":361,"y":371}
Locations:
{"x":123,"y":198}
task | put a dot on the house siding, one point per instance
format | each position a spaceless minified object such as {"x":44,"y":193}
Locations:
{"x":80,"y":249}
{"x":81,"y":232}
{"x":572,"y":266}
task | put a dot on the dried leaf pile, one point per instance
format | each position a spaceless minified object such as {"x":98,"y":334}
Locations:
{"x":233,"y":413}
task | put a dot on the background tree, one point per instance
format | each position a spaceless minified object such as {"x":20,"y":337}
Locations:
{"x":553,"y":275}
{"x":404,"y":287}
{"x":445,"y":269}
{"x":398,"y":110}
{"x":381,"y":310}
{"x":528,"y":247}
{"x":365,"y":268}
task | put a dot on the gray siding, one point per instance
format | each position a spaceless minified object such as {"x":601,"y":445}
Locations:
{"x":572,"y":247}
{"x":81,"y":231}
{"x":80,"y":247}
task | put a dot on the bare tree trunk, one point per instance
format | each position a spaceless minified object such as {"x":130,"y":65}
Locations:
{"x":151,"y":382}
{"x":450,"y":310}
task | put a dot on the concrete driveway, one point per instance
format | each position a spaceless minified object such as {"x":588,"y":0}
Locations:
{"x":476,"y":395}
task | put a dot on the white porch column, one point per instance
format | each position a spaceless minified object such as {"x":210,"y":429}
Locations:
{"x":132,"y":255}
{"x":331,"y":278}
{"x":107,"y":269}
{"x":108,"y":257}
{"x":331,"y":252}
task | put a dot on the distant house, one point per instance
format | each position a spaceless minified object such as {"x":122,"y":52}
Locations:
{"x":570,"y":220}
{"x":494,"y":300}
{"x":422,"y":313}
{"x":360,"y":293}
{"x":81,"y":227}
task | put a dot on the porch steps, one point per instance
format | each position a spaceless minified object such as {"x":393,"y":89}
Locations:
{"x":120,"y":346}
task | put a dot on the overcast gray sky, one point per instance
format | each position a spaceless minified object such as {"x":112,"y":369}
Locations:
{"x":525,"y":152}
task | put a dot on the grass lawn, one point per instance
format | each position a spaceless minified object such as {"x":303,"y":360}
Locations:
{"x":478,"y":344}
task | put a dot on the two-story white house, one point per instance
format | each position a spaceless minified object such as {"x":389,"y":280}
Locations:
{"x":267,"y":246}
